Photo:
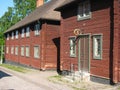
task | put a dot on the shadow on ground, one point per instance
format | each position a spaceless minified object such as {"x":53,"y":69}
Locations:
{"x":3,"y":74}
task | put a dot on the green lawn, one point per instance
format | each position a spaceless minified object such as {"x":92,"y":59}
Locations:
{"x":15,"y":68}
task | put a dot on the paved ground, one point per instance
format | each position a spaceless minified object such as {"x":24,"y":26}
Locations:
{"x":34,"y":80}
{"x":38,"y":80}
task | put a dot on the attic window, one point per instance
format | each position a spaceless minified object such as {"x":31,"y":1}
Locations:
{"x":84,"y":10}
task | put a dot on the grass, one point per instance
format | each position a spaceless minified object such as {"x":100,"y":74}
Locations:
{"x":15,"y":68}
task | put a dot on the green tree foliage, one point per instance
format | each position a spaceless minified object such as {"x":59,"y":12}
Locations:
{"x":14,"y":14}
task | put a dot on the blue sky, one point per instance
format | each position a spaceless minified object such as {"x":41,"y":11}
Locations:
{"x":4,"y":4}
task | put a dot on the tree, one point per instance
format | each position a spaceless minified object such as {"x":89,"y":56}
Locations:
{"x":21,"y":9}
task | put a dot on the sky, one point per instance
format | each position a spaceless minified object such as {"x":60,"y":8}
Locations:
{"x":4,"y":4}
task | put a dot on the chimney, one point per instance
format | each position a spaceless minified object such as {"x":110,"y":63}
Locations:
{"x":39,"y":3}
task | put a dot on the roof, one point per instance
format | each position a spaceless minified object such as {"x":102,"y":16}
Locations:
{"x":65,"y":3}
{"x":45,"y":11}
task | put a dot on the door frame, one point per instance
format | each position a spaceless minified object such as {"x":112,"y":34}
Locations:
{"x":89,"y":44}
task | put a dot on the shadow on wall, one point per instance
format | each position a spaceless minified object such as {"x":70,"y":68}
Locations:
{"x":3,"y":74}
{"x":57,"y":44}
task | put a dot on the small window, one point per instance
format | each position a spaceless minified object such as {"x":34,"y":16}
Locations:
{"x":16,"y":36}
{"x":7,"y":36}
{"x":22,"y":33}
{"x":16,"y":50}
{"x":12,"y":50}
{"x":97,"y":46}
{"x":72,"y":47}
{"x":84,"y":10}
{"x":36,"y":52}
{"x":12,"y":35}
{"x":7,"y":49}
{"x":37,"y":29}
{"x":22,"y":50}
{"x":28,"y":32}
{"x":27,"y":51}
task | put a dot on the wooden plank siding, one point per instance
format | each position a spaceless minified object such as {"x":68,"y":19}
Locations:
{"x":99,"y":23}
{"x":48,"y":49}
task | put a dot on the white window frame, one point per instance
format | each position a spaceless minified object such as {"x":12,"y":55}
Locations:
{"x":28,"y":32}
{"x":7,"y":49}
{"x":38,"y":53}
{"x":27,"y":51}
{"x":23,"y":33}
{"x":16,"y":50}
{"x":97,"y":46}
{"x":22,"y":51}
{"x":82,"y":10}
{"x":72,"y":46}
{"x":12,"y":36}
{"x":16,"y":34}
{"x":8,"y":36}
{"x":12,"y":50}
{"x":37,"y":29}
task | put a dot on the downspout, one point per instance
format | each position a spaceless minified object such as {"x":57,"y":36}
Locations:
{"x":115,"y":40}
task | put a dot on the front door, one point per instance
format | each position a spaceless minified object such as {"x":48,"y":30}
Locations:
{"x":84,"y":53}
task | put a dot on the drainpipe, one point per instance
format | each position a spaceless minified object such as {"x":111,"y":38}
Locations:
{"x":115,"y":40}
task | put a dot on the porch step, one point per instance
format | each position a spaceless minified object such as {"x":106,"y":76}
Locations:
{"x":78,"y":76}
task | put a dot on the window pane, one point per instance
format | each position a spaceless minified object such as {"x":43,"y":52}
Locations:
{"x":23,"y":31}
{"x":37,"y":29}
{"x":97,"y":47}
{"x":7,"y":50}
{"x":27,"y":32}
{"x":36,"y":51}
{"x":12,"y":50}
{"x":72,"y":47}
{"x":16,"y":50}
{"x":22,"y":51}
{"x":12,"y":35}
{"x":16,"y":35}
{"x":7,"y":36}
{"x":27,"y":51}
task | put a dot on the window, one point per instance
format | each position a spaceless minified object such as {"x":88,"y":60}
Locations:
{"x":22,"y":33}
{"x":22,"y":50}
{"x":27,"y":51}
{"x":16,"y":36}
{"x":97,"y":46}
{"x":36,"y":51}
{"x":7,"y":49}
{"x":16,"y":50}
{"x":12,"y":35}
{"x":37,"y":29}
{"x":84,"y":10}
{"x":28,"y":32}
{"x":72,"y":47}
{"x":12,"y":50}
{"x":7,"y":36}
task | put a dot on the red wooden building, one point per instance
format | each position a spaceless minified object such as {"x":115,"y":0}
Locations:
{"x":34,"y":41}
{"x":90,"y":39}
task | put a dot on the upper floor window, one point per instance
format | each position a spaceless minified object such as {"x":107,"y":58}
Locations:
{"x":7,"y":36}
{"x":28,"y":32}
{"x":16,"y":36}
{"x":72,"y":47}
{"x":97,"y":46}
{"x":23,"y":33}
{"x":37,"y":29}
{"x":12,"y":35}
{"x":84,"y":10}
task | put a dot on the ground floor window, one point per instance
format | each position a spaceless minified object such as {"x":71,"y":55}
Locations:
{"x":97,"y":46}
{"x":12,"y":50}
{"x":16,"y":50}
{"x":36,"y":51}
{"x":27,"y":51}
{"x":72,"y":47}
{"x":22,"y":50}
{"x":7,"y":49}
